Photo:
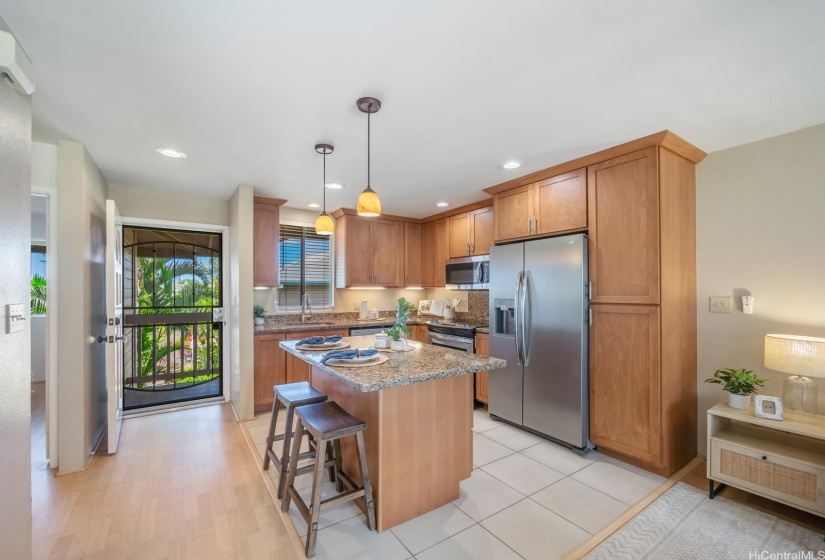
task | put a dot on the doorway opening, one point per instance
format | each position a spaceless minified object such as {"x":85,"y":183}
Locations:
{"x":172,"y":316}
{"x":38,"y":309}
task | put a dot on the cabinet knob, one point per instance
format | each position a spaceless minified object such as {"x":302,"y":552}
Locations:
{"x":764,"y":457}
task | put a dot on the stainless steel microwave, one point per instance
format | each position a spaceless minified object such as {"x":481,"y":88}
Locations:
{"x":469,"y":273}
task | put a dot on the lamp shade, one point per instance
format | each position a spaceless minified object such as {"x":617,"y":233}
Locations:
{"x":368,"y":203}
{"x":324,"y":224}
{"x":799,"y":355}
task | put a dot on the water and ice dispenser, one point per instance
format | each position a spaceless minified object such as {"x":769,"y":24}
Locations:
{"x":505,"y":316}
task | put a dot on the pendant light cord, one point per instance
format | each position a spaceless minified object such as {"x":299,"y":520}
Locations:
{"x":325,"y":181}
{"x":369,"y":113}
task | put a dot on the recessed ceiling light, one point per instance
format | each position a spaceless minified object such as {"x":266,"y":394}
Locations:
{"x":442,"y":204}
{"x":313,"y":205}
{"x":170,"y":152}
{"x":334,"y":186}
{"x":512,"y":164}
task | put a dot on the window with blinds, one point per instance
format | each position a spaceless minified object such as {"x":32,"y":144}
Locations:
{"x":305,"y":267}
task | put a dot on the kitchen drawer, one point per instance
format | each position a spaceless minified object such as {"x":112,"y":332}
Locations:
{"x":772,"y":475}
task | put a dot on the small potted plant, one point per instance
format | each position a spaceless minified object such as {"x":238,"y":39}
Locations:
{"x":739,"y":383}
{"x":260,"y":314}
{"x":399,"y":331}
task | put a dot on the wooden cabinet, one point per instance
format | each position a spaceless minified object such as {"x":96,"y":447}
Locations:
{"x":560,"y":203}
{"x":412,"y":255}
{"x":428,"y":255}
{"x":297,"y":370}
{"x":419,"y":333}
{"x":369,"y":252}
{"x":624,"y":229}
{"x":483,"y":377}
{"x":471,"y":233}
{"x":513,"y":213}
{"x":550,"y":206}
{"x":441,"y":253}
{"x":269,"y":369}
{"x":642,"y":240}
{"x":265,"y":219}
{"x":625,"y":380}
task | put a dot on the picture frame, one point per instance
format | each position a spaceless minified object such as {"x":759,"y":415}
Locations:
{"x":768,"y":407}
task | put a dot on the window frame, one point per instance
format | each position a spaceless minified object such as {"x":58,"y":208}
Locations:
{"x":297,"y":308}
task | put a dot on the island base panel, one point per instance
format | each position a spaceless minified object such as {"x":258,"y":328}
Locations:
{"x":418,"y":440}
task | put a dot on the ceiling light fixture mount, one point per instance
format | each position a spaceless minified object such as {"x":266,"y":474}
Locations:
{"x":511,"y":164}
{"x":442,"y":204}
{"x":369,"y":204}
{"x":334,"y":186}
{"x":324,"y":224}
{"x":170,"y":152}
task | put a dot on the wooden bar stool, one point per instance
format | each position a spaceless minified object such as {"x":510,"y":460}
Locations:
{"x":327,"y":422}
{"x":292,"y":396}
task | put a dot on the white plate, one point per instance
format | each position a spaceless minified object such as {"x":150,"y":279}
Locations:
{"x":358,"y":360}
{"x":324,"y":346}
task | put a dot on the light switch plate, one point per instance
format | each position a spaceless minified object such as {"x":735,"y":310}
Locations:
{"x":15,"y":317}
{"x":721,"y":304}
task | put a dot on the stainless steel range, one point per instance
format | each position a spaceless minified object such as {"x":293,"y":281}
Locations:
{"x":458,"y":336}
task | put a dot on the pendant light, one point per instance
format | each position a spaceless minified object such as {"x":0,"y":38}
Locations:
{"x":368,"y":202}
{"x":324,"y":224}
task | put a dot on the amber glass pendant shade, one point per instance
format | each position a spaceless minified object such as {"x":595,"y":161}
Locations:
{"x":324,"y":224}
{"x":369,"y":204}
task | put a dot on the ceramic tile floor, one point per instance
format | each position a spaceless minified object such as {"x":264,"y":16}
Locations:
{"x":527,"y":498}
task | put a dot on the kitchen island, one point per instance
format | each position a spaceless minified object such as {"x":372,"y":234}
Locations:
{"x":418,"y":407}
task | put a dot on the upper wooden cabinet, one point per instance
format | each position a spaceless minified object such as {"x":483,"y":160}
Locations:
{"x":560,"y":203}
{"x":265,"y":220}
{"x":412,"y":255}
{"x":368,"y":252}
{"x":554,"y":205}
{"x":513,"y":213}
{"x":624,"y":228}
{"x":441,"y":253}
{"x":428,"y":255}
{"x":471,"y":233}
{"x":626,"y":381}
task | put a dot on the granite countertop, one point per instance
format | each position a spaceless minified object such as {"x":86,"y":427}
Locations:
{"x":330,"y":324}
{"x":425,"y":363}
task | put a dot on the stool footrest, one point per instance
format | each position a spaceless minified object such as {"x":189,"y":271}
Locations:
{"x":341,"y":498}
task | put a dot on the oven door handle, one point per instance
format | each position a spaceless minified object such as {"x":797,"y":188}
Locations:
{"x":451,"y":340}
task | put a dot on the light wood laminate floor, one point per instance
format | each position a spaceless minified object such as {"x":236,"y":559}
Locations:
{"x":182,"y":485}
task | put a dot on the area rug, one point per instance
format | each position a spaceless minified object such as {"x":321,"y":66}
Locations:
{"x":683,"y":523}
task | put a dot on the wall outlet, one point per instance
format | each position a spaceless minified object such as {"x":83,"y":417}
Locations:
{"x":721,"y":304}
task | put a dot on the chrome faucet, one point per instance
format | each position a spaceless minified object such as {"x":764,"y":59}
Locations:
{"x":306,"y":307}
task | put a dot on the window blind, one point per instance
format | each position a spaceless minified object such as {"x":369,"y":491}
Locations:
{"x":305,"y":266}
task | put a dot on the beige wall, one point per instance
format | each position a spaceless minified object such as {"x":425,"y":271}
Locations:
{"x":242,"y":375}
{"x":81,"y":225}
{"x":158,"y":204}
{"x":15,"y":396}
{"x":761,"y":232}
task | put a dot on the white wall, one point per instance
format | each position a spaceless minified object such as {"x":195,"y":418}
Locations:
{"x":82,"y":308}
{"x":760,"y":231}
{"x":242,"y":326}
{"x":15,"y":388}
{"x":159,"y":204}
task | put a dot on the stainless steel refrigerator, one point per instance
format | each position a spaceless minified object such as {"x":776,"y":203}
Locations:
{"x":538,"y":323}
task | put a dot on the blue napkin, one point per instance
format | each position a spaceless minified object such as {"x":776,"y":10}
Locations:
{"x":320,"y":339}
{"x":347,"y":354}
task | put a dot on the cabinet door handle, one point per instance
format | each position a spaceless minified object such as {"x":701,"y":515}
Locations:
{"x":535,"y":225}
{"x":529,"y":226}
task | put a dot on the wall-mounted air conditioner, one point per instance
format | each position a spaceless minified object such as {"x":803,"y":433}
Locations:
{"x":15,"y":65}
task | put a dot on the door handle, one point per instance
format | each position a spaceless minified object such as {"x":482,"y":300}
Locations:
{"x":529,"y":226}
{"x":517,"y":337}
{"x":525,"y":346}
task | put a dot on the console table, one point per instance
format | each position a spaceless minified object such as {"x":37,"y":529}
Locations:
{"x":783,"y":460}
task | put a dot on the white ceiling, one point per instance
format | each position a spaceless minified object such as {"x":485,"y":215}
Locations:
{"x":247,"y":88}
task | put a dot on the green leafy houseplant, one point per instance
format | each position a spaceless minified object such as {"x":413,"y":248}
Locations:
{"x":259,"y":312}
{"x":737,"y":381}
{"x":405,"y":309}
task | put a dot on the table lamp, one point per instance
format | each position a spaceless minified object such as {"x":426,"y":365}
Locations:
{"x":803,"y":357}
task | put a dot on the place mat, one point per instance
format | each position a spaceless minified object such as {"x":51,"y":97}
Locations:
{"x":407,"y":348}
{"x":347,"y":364}
{"x":317,"y":347}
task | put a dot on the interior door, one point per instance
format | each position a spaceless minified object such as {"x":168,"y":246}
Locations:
{"x":114,"y":323}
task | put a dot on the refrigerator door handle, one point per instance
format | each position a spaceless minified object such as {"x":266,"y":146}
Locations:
{"x":525,"y":339}
{"x":516,"y":307}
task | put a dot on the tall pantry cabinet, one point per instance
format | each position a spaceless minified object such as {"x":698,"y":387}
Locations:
{"x":642,"y":231}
